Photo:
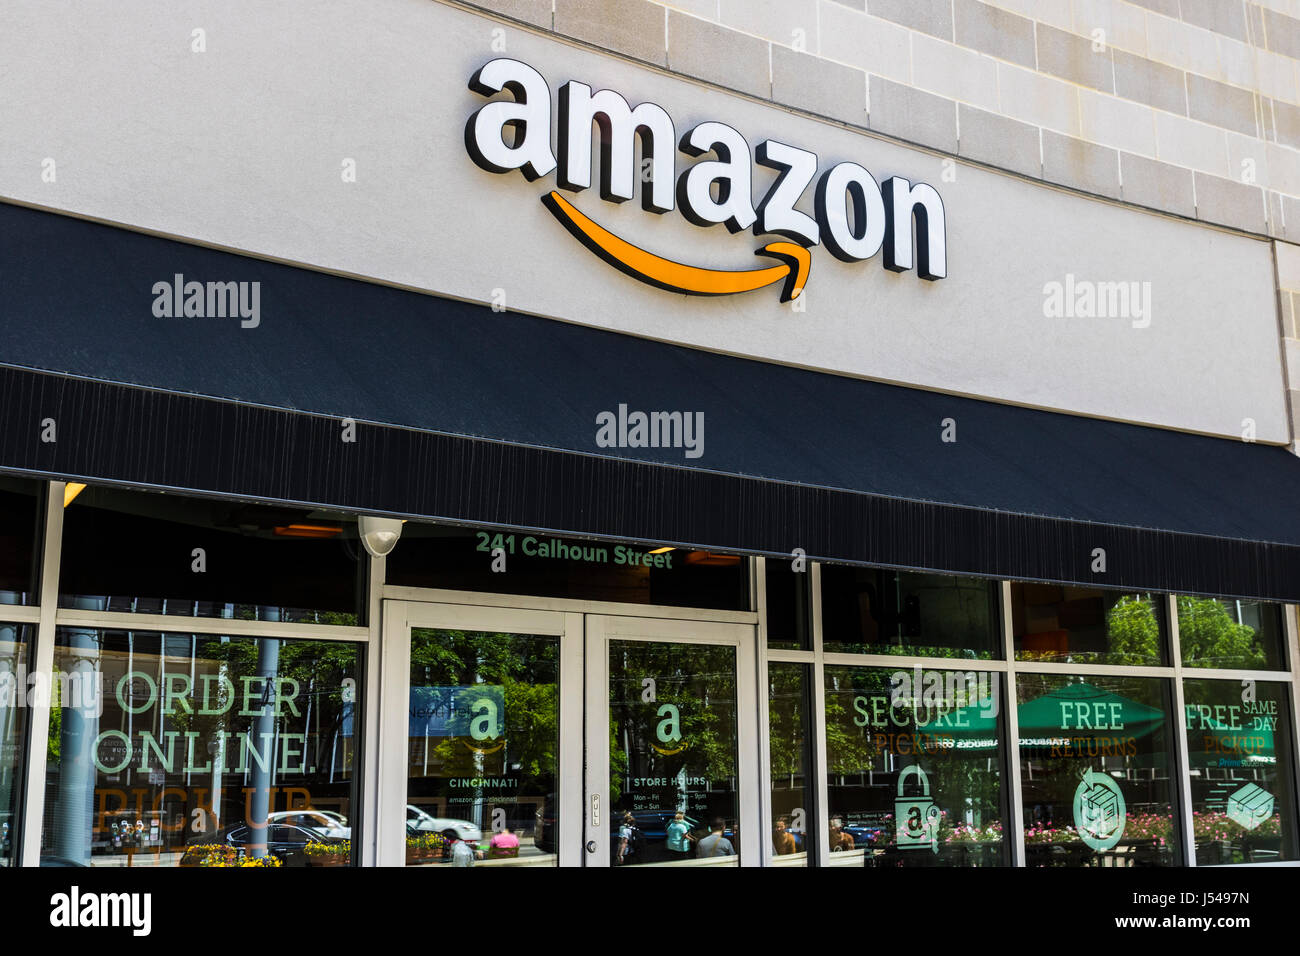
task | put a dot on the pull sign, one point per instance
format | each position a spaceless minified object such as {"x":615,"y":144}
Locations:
{"x":595,"y":811}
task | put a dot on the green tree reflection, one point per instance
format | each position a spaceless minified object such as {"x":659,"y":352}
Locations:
{"x":1134,"y":631}
{"x":1211,"y":638}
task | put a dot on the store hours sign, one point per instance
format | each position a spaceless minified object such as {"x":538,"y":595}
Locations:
{"x":855,"y":217}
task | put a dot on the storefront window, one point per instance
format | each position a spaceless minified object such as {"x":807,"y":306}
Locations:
{"x":874,"y":611}
{"x":15,"y":640}
{"x":1223,"y":632}
{"x":673,"y":789}
{"x":914,"y":762}
{"x":483,"y":749}
{"x":1242,"y":765}
{"x":168,"y":554}
{"x":20,"y":537}
{"x":199,"y":750}
{"x":542,"y":565}
{"x":1073,"y":625}
{"x":789,"y":611}
{"x":790,"y":762}
{"x":1096,"y":771}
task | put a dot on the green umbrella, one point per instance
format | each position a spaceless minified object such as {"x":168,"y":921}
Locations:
{"x":1081,"y":719}
{"x":1081,"y":709}
{"x":1073,"y":711}
{"x":972,"y":727}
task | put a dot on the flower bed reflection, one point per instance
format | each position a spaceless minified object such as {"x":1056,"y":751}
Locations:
{"x":1139,"y":828}
{"x":1148,"y":841}
{"x":329,"y":854}
{"x":221,"y":854}
{"x":962,"y":844}
{"x":968,"y":834}
{"x":425,"y":848}
{"x":1220,"y":839}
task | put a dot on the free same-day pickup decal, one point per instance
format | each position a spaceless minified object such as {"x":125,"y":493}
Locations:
{"x":855,"y":217}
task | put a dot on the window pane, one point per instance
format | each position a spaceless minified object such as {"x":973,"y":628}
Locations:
{"x":1052,"y":622}
{"x":914,"y":763}
{"x":790,"y":759}
{"x":462,"y":559}
{"x":874,"y":611}
{"x":789,"y":614}
{"x":205,"y":558}
{"x":483,"y":749}
{"x":15,"y":642}
{"x":1242,"y":766}
{"x":672,"y":754}
{"x":190,"y":750}
{"x":1095,"y":769}
{"x":1223,"y":632}
{"x":20,"y":536}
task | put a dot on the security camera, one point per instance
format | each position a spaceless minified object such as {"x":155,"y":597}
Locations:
{"x":379,"y":535}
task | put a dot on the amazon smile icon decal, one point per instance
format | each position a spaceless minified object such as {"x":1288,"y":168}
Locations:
{"x":855,"y":217}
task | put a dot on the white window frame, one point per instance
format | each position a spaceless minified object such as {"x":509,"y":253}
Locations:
{"x":386,"y":654}
{"x":1010,"y":667}
{"x":394,"y":718}
{"x":603,"y":628}
{"x":49,"y":617}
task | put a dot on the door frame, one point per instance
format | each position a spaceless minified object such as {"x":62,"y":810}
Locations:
{"x":394,"y":711}
{"x":599,"y":630}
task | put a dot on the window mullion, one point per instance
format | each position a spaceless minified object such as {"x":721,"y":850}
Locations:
{"x":38,"y":714}
{"x":1016,"y":801}
{"x":1183,"y":765}
{"x":821,"y":846}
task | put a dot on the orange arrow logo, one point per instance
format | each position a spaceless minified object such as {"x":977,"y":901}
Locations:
{"x":669,"y":753}
{"x":484,"y":750}
{"x":678,"y":277}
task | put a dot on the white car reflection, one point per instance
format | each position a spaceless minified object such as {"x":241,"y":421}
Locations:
{"x":417,"y":819}
{"x":328,"y":822}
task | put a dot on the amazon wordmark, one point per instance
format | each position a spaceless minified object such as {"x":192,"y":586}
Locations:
{"x":854,"y":216}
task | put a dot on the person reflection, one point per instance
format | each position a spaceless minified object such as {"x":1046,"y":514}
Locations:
{"x":628,"y":839}
{"x":783,"y":842}
{"x":462,"y":854}
{"x":839,"y":839}
{"x":715,"y":844}
{"x":679,"y":837}
{"x":503,"y":844}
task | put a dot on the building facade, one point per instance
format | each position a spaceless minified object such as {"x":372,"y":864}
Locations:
{"x":720,"y":432}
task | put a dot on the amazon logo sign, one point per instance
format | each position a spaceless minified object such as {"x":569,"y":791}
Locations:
{"x":855,"y":217}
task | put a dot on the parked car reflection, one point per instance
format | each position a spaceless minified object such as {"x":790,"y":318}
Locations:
{"x":863,"y":834}
{"x":285,"y":842}
{"x":323,"y":821}
{"x":425,"y":822}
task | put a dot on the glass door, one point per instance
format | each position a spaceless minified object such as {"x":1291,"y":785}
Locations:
{"x":480,"y":737}
{"x":671,"y":726}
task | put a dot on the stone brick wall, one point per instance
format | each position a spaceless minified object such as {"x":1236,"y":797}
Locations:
{"x":1191,"y":107}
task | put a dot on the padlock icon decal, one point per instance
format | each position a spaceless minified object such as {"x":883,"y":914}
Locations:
{"x":916,"y":817}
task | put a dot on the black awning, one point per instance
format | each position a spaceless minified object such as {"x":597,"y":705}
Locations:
{"x":483,"y":417}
